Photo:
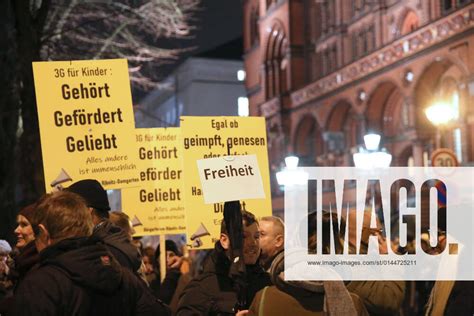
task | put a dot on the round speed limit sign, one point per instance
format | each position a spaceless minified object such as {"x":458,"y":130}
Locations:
{"x":444,"y":157}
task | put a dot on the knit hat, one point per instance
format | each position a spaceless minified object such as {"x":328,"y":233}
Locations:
{"x":5,"y":248}
{"x":28,"y":211}
{"x":93,"y":192}
{"x":170,"y":246}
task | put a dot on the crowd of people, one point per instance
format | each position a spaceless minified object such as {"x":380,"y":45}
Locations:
{"x":73,"y":256}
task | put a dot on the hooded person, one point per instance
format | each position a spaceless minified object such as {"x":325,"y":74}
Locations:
{"x":77,"y":275}
{"x":166,"y":289}
{"x":231,"y":274}
{"x":305,"y":297}
{"x":169,"y":290}
{"x":5,"y":284}
{"x":115,"y":239}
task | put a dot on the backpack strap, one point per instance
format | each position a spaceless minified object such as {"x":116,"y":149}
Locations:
{"x":262,"y":302}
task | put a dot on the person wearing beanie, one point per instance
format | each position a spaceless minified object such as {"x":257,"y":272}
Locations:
{"x":5,"y":283}
{"x":94,"y":195}
{"x":116,"y":240}
{"x":166,"y":289}
{"x":5,"y":248}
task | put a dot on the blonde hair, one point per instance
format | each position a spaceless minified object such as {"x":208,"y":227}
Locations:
{"x":122,"y":220}
{"x":64,"y":214}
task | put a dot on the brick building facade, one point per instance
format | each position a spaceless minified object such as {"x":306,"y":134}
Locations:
{"x":326,"y":72}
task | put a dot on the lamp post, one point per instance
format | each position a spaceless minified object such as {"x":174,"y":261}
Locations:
{"x":371,"y":156}
{"x":290,"y":175}
{"x":440,"y":114}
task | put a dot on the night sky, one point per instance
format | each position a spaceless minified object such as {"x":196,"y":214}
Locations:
{"x":217,"y":22}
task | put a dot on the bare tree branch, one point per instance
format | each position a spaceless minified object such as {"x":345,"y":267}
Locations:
{"x":124,"y":28}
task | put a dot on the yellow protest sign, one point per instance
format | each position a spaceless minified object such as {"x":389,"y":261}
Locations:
{"x":86,"y":122}
{"x":207,"y":137}
{"x":156,"y":206}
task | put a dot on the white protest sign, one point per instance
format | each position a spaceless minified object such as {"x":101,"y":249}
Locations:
{"x":230,"y":178}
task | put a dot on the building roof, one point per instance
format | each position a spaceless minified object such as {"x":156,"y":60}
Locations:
{"x":232,"y":50}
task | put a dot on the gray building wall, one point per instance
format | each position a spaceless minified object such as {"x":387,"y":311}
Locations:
{"x":200,"y":87}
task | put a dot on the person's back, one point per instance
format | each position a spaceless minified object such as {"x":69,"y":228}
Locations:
{"x":118,"y":243}
{"x":77,"y":275}
{"x":115,"y":238}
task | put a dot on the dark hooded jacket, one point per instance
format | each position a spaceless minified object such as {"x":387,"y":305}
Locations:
{"x":78,"y":276}
{"x":117,"y":242}
{"x":213,"y":291}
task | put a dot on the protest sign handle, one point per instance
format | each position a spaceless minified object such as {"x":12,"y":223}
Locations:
{"x":162,"y":257}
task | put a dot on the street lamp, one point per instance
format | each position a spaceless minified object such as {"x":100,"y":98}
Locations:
{"x":371,"y":156}
{"x":290,"y":175}
{"x":440,"y":113}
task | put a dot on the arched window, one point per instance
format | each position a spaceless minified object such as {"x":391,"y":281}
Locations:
{"x":410,"y":23}
{"x":448,"y":5}
{"x":270,"y":2}
{"x":328,"y":16}
{"x":275,"y":62}
{"x":308,"y":141}
{"x":254,"y":31}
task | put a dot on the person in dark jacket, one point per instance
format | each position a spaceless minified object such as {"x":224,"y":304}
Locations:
{"x":77,"y":275}
{"x":306,"y":297}
{"x":166,"y":289}
{"x":450,"y":297}
{"x":272,"y":243}
{"x":213,"y":292}
{"x":25,"y":258}
{"x":28,"y":255}
{"x":116,"y":240}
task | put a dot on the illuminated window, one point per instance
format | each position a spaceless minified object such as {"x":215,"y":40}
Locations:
{"x":457,"y":132}
{"x":455,"y":103}
{"x":243,"y":106}
{"x":241,"y":75}
{"x":446,"y":5}
{"x":457,"y":143}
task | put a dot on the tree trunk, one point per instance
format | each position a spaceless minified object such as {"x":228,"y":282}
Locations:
{"x":9,"y":101}
{"x":30,"y":165}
